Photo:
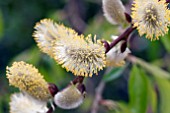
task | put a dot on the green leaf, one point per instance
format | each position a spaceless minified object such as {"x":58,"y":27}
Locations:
{"x":113,"y":74}
{"x":152,"y":97}
{"x":138,"y":91}
{"x":162,"y":79}
{"x":166,"y":40}
{"x":155,"y":70}
{"x":164,"y":91}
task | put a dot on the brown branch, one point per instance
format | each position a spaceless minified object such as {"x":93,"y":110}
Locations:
{"x":98,"y":94}
{"x":98,"y":97}
{"x":123,"y":36}
{"x":167,"y":1}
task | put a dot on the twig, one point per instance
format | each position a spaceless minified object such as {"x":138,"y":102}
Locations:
{"x":98,"y":94}
{"x":123,"y":36}
{"x":167,"y":1}
{"x":98,"y":97}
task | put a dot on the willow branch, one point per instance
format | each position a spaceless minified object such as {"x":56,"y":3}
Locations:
{"x":98,"y":94}
{"x":98,"y":97}
{"x":167,"y":1}
{"x":123,"y":36}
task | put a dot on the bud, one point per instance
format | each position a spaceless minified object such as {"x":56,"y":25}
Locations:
{"x":114,"y":11}
{"x":53,"y":89}
{"x":28,"y":79}
{"x":71,"y":97}
{"x":24,"y":103}
{"x":115,"y":57}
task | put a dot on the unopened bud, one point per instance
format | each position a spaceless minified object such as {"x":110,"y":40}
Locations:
{"x":114,"y":11}
{"x":123,"y":46}
{"x":52,"y":88}
{"x":128,"y":17}
{"x":116,"y":56}
{"x":71,"y":97}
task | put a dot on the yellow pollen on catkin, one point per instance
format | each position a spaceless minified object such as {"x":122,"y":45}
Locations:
{"x":27,"y":78}
{"x":151,"y":18}
{"x":81,"y":56}
{"x":47,"y":32}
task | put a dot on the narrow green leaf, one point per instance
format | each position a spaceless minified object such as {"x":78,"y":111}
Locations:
{"x":164,"y":90}
{"x":138,"y":91}
{"x":113,"y":74}
{"x":150,"y":68}
{"x":166,"y":40}
{"x":152,"y":97}
{"x":162,"y":79}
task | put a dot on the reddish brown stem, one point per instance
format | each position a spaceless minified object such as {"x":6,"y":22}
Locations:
{"x":123,"y":36}
{"x":167,"y":1}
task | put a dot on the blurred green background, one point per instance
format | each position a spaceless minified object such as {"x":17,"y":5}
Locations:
{"x":17,"y":19}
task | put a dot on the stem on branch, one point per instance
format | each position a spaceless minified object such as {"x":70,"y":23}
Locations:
{"x":123,"y":36}
{"x":98,"y":97}
{"x":167,"y":1}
